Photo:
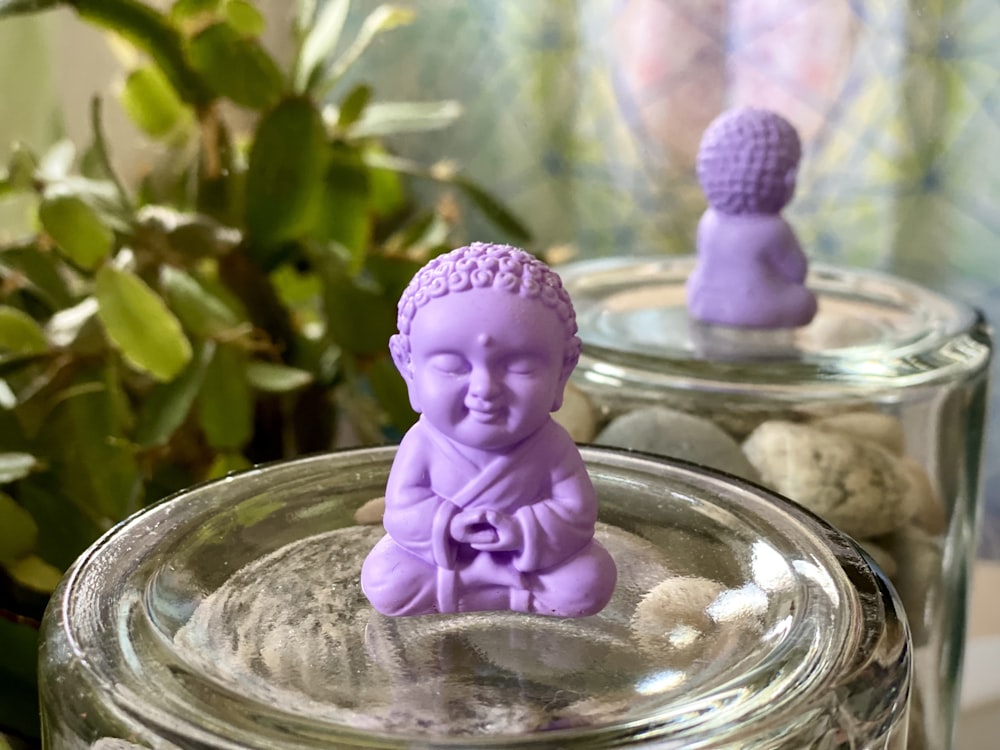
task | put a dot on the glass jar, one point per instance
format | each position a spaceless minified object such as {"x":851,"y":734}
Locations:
{"x":871,"y":416}
{"x":231,"y":616}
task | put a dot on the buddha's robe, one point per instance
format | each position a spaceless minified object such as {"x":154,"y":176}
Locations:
{"x":750,"y":272}
{"x":418,"y":567}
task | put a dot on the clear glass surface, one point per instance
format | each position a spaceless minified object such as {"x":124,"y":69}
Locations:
{"x":231,"y":616}
{"x":879,"y":401}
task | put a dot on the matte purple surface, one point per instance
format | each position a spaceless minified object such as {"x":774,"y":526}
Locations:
{"x":751,"y":270}
{"x":488,"y":503}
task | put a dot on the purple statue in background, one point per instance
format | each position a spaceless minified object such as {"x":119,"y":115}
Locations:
{"x":488,"y":504}
{"x":750,"y":270}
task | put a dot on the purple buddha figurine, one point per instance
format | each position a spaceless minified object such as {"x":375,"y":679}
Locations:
{"x":750,"y":270}
{"x":488,"y":504}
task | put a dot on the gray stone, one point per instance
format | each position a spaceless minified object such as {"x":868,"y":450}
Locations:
{"x":856,"y":485}
{"x":676,"y":434}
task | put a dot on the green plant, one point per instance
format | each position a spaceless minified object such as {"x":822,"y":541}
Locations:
{"x":221,"y":313}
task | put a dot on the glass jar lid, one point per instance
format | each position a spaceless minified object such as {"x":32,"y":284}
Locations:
{"x":231,"y":616}
{"x":870,"y":329}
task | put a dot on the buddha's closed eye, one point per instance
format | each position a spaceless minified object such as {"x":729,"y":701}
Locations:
{"x":523,"y":365}
{"x":449,"y":364}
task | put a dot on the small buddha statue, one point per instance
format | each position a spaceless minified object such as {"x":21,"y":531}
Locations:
{"x":488,"y":503}
{"x":750,"y":269}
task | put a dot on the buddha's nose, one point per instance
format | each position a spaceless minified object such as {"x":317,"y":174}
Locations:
{"x":483,"y":383}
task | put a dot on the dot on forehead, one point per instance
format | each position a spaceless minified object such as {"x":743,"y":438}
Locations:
{"x":485,"y":339}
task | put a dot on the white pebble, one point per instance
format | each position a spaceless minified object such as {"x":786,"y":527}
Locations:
{"x":856,"y":485}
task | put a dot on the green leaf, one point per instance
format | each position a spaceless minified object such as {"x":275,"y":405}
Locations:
{"x":236,"y":66}
{"x":359,"y":319}
{"x":21,"y":167}
{"x":494,"y":210}
{"x":15,"y":7}
{"x":345,"y":218}
{"x":8,"y":399}
{"x":18,"y":530}
{"x":390,"y":390}
{"x":426,"y":231}
{"x":225,"y":404}
{"x":20,"y":334}
{"x":190,"y":235}
{"x":276,"y":378}
{"x":319,"y":356}
{"x":43,"y":270}
{"x":319,"y":43}
{"x":57,"y":161}
{"x":19,"y":174}
{"x":285,"y":174}
{"x":200,"y":312}
{"x":305,"y":16}
{"x":390,"y":118}
{"x":14,"y":466}
{"x":64,"y":532}
{"x":226,"y":463}
{"x":12,"y":433}
{"x":168,"y":404}
{"x":90,"y":458}
{"x":78,"y":328}
{"x":18,"y":683}
{"x":296,"y":289}
{"x":103,"y":197}
{"x":32,"y":572}
{"x":185,"y":10}
{"x":392,"y":273}
{"x":383,"y":18}
{"x":101,"y":166}
{"x":77,"y":229}
{"x":19,"y":708}
{"x":244,"y":17}
{"x":387,"y":194}
{"x":491,"y":207}
{"x":353,"y":105}
{"x":139,"y":324}
{"x":153,"y":104}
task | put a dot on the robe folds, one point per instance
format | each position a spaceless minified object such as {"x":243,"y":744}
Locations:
{"x":541,"y":483}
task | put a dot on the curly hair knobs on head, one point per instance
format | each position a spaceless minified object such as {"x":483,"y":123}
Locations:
{"x":482,"y":265}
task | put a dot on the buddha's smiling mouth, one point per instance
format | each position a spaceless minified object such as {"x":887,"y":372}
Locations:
{"x":486,"y":416}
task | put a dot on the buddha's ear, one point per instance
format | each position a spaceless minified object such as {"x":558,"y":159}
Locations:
{"x":570,"y":359}
{"x":558,"y":401}
{"x":399,"y":348}
{"x":791,"y":177}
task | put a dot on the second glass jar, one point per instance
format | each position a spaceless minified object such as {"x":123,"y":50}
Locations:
{"x":872,"y":417}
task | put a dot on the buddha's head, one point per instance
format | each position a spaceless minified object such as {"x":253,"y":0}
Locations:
{"x":486,"y":343}
{"x":748,"y":162}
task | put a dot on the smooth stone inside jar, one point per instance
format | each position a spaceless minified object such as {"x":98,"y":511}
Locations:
{"x":871,"y":416}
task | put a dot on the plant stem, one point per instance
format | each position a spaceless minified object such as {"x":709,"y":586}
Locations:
{"x":152,"y":32}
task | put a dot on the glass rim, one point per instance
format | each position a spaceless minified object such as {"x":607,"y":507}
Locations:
{"x":930,"y":338}
{"x":124,"y":552}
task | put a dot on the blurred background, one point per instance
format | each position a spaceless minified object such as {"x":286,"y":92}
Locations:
{"x":584,"y":116}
